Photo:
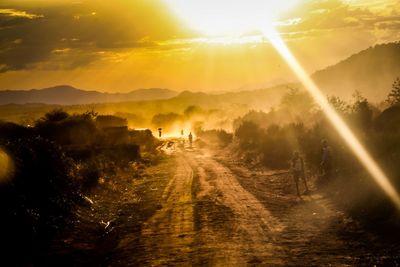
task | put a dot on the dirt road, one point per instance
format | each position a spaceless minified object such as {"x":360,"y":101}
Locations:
{"x":204,"y":209}
{"x":221,"y":214}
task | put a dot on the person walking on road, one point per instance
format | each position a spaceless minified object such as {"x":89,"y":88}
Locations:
{"x":299,"y":172}
{"x":190,"y":139}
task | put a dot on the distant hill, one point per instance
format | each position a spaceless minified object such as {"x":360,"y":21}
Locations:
{"x":255,"y":99}
{"x":68,"y":95}
{"x":371,"y":72}
{"x":233,"y":103}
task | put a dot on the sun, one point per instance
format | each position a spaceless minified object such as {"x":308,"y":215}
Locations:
{"x":229,"y":17}
{"x":236,"y":17}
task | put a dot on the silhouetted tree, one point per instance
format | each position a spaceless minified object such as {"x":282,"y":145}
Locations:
{"x":341,"y":106}
{"x":55,"y":115}
{"x":394,"y":95}
{"x":297,"y":101}
{"x":361,"y":111}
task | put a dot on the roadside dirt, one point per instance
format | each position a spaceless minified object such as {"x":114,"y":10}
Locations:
{"x":198,"y":208}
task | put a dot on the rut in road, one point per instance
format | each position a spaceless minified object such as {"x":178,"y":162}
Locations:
{"x":253,"y":237}
{"x":168,"y":235}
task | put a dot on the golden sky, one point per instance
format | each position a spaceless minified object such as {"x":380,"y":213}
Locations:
{"x":122,"y":45}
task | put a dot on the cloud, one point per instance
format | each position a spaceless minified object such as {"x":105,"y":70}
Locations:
{"x":28,"y":40}
{"x":10,"y":17}
{"x":63,"y":34}
{"x":319,"y":16}
{"x":10,"y":12}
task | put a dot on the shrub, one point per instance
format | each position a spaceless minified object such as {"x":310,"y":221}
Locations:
{"x":39,"y":195}
{"x":215,"y":137}
{"x":79,"y":129}
{"x":248,"y":134}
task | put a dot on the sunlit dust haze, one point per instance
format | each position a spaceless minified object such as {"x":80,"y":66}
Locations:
{"x":343,"y":129}
{"x":254,"y":10}
{"x":119,"y":46}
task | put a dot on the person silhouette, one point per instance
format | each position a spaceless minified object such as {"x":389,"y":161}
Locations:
{"x":190,"y":139}
{"x":299,"y":172}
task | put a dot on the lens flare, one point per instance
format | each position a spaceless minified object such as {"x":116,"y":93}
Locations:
{"x":341,"y":127}
{"x":6,"y":166}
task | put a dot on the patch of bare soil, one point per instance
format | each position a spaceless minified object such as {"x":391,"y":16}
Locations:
{"x":167,"y":236}
{"x":233,"y":225}
{"x":316,"y":232}
{"x":106,"y":231}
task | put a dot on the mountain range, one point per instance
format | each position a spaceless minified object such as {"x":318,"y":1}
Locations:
{"x":371,"y":72}
{"x":68,"y":95}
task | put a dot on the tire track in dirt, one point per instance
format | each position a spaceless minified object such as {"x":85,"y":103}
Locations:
{"x":168,"y":235}
{"x":252,"y":240}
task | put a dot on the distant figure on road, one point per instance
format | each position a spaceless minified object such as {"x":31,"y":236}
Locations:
{"x":182,"y":133}
{"x":299,"y":172}
{"x":159,"y":132}
{"x":326,"y":161}
{"x":190,"y":139}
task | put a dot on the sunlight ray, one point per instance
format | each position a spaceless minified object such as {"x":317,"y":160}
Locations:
{"x":341,"y":127}
{"x":226,"y":17}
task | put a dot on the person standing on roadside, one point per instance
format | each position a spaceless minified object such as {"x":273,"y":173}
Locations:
{"x":299,"y":172}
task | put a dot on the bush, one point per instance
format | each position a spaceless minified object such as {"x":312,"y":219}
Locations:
{"x":144,"y":138}
{"x":38,"y":196}
{"x":219,"y":138}
{"x":55,"y":162}
{"x":248,"y":134}
{"x":79,"y":129}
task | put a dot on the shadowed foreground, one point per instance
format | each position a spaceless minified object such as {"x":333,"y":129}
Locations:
{"x":196,"y":208}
